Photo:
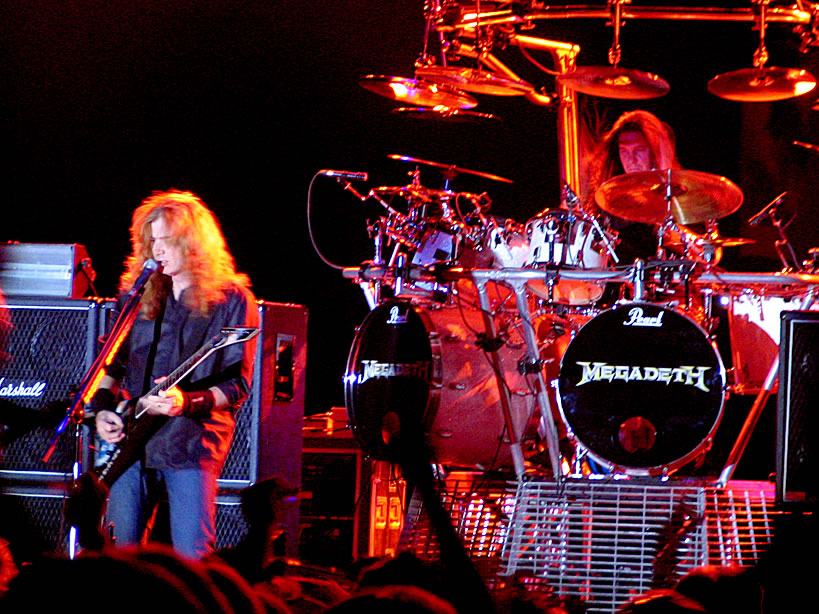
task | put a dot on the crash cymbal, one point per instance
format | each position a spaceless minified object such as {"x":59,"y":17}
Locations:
{"x":695,"y":196}
{"x":419,"y":93}
{"x":449,"y":169}
{"x":413,"y":192}
{"x":615,"y":82}
{"x":764,"y":84}
{"x":474,"y":80}
{"x":444,"y":114}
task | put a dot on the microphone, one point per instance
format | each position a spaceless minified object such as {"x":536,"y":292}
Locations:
{"x":148,"y":268}
{"x":767,"y":209}
{"x":351,"y":175}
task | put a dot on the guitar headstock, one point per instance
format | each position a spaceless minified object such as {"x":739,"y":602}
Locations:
{"x":235,"y":334}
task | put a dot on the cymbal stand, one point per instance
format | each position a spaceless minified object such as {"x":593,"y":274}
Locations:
{"x":783,"y":247}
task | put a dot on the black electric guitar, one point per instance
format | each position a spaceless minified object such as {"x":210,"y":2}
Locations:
{"x":140,"y":425}
{"x":86,"y":503}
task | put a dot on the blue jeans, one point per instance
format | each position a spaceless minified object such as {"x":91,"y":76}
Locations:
{"x":191,"y":500}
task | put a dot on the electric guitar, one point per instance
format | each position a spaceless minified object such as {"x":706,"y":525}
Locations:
{"x":141,"y":426}
{"x":86,"y":502}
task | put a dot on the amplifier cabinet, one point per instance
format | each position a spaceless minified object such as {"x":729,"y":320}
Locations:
{"x":51,"y":346}
{"x":797,"y":469}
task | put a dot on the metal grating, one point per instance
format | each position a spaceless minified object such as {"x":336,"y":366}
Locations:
{"x":600,"y":542}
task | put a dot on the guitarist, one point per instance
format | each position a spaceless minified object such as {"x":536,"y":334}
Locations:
{"x":195,"y":293}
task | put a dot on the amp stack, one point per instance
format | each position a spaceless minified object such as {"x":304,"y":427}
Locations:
{"x":49,"y":337}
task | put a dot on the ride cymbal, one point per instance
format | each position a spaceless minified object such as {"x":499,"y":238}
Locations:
{"x":474,"y":80}
{"x":695,"y":196}
{"x":615,"y":82}
{"x":418,"y":93}
{"x":449,"y":169}
{"x":764,"y":84}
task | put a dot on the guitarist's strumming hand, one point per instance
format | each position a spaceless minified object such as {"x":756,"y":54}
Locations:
{"x":110,"y":426}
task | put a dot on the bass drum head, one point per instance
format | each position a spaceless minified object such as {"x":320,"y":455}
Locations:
{"x":641,"y":388}
{"x":387,"y":381}
{"x":423,"y":374}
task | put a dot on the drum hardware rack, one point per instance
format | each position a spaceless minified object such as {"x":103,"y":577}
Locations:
{"x":634,"y":275}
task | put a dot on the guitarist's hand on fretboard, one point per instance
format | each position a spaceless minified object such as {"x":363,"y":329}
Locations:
{"x":169,"y":402}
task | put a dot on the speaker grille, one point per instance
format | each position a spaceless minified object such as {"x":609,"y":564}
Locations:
{"x":51,"y":346}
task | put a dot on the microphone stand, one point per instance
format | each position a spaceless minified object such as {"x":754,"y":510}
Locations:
{"x":90,"y":382}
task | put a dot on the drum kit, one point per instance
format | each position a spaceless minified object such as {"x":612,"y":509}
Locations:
{"x":499,"y":344}
{"x":493,"y":340}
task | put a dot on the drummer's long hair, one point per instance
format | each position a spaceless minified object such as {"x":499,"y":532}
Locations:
{"x":195,"y":229}
{"x":605,"y":162}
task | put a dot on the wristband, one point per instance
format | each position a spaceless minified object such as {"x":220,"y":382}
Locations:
{"x":197,"y":403}
{"x":103,"y":398}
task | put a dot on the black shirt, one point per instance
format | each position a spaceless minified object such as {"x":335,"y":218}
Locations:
{"x":187,"y":442}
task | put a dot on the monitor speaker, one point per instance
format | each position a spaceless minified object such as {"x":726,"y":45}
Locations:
{"x":796,"y":460}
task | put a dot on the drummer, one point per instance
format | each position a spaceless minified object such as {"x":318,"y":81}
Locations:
{"x":638,"y":141}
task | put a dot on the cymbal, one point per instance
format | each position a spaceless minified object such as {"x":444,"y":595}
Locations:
{"x":419,"y":93}
{"x":718,"y":241}
{"x":764,"y":84}
{"x":615,"y":82}
{"x":474,"y":80}
{"x":444,"y":114}
{"x":413,"y":192}
{"x":695,"y":196}
{"x":449,"y":168}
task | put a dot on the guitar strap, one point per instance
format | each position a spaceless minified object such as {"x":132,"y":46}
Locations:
{"x":147,"y":380}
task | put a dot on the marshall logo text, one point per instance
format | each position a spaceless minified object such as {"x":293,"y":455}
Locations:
{"x":11,"y":390}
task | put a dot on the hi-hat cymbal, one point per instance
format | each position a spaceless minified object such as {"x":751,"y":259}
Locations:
{"x":764,"y":84}
{"x":695,"y":196}
{"x":474,"y":80}
{"x":444,"y":114}
{"x":615,"y":82}
{"x":449,"y":169}
{"x":418,"y":93}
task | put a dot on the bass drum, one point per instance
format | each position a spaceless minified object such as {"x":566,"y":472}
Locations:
{"x":419,"y":373}
{"x":641,"y":389}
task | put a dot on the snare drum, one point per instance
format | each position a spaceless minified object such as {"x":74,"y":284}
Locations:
{"x":641,"y":389}
{"x":562,"y":239}
{"x":419,"y":373}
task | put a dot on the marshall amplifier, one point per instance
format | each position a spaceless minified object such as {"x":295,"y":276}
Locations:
{"x":51,"y":344}
{"x":44,"y":269}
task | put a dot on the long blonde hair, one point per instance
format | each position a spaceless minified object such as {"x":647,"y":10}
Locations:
{"x":196,"y":231}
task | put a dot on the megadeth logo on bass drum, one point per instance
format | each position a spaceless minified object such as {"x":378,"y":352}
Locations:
{"x":373,"y":368}
{"x":602,"y":371}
